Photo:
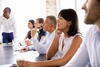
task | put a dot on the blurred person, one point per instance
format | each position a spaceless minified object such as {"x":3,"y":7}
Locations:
{"x":7,"y":25}
{"x":89,"y":52}
{"x":36,"y":30}
{"x":65,"y":44}
{"x":41,"y":46}
{"x":31,"y":26}
{"x":30,"y":34}
{"x":41,"y":32}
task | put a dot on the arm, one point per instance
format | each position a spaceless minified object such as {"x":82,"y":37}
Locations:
{"x":53,"y":48}
{"x":0,"y":28}
{"x":80,"y":59}
{"x":0,"y":23}
{"x":43,"y":45}
{"x":33,"y":33}
{"x":63,"y":60}
{"x":14,"y":28}
{"x":73,"y":48}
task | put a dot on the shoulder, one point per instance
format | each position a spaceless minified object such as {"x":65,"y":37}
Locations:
{"x":78,"y":38}
{"x":91,"y":31}
{"x":1,"y":16}
{"x":90,"y":34}
{"x":2,"y":19}
{"x":12,"y":17}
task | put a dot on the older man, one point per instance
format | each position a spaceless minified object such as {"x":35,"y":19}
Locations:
{"x":89,"y":52}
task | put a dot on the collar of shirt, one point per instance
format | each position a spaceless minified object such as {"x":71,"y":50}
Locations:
{"x":6,"y":18}
{"x":97,"y":30}
{"x":50,"y":34}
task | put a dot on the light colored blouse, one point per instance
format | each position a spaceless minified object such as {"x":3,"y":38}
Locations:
{"x":67,"y":44}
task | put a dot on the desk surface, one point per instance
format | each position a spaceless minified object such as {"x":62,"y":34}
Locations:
{"x":7,"y":56}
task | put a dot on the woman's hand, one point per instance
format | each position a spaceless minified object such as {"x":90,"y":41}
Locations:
{"x":58,"y":33}
{"x":23,"y":63}
{"x":25,"y":49}
{"x":33,"y":32}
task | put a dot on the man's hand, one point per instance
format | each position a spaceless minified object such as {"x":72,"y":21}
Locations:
{"x":24,"y":49}
{"x":28,"y":42}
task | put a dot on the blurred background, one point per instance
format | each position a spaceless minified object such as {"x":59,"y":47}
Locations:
{"x":23,"y":10}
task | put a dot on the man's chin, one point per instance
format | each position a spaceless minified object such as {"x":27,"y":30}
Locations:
{"x":89,"y":21}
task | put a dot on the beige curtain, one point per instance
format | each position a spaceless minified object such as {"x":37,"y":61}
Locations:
{"x":51,"y":7}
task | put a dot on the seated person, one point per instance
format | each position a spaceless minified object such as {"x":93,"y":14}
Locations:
{"x":31,"y":26}
{"x":41,"y":32}
{"x":42,"y":46}
{"x":65,"y":44}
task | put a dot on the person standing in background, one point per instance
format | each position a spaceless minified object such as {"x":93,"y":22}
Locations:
{"x":7,"y":24}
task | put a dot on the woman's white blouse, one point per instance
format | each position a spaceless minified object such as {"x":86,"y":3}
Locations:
{"x":67,"y":45}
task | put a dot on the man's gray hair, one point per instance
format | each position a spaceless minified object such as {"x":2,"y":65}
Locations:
{"x":53,"y":20}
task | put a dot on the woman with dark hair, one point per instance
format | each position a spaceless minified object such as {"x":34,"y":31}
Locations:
{"x":31,"y":26}
{"x":65,"y":44}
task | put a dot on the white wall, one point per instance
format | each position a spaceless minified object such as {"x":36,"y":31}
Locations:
{"x":24,"y":10}
{"x":81,"y":15}
{"x":76,"y":4}
{"x":0,"y":6}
